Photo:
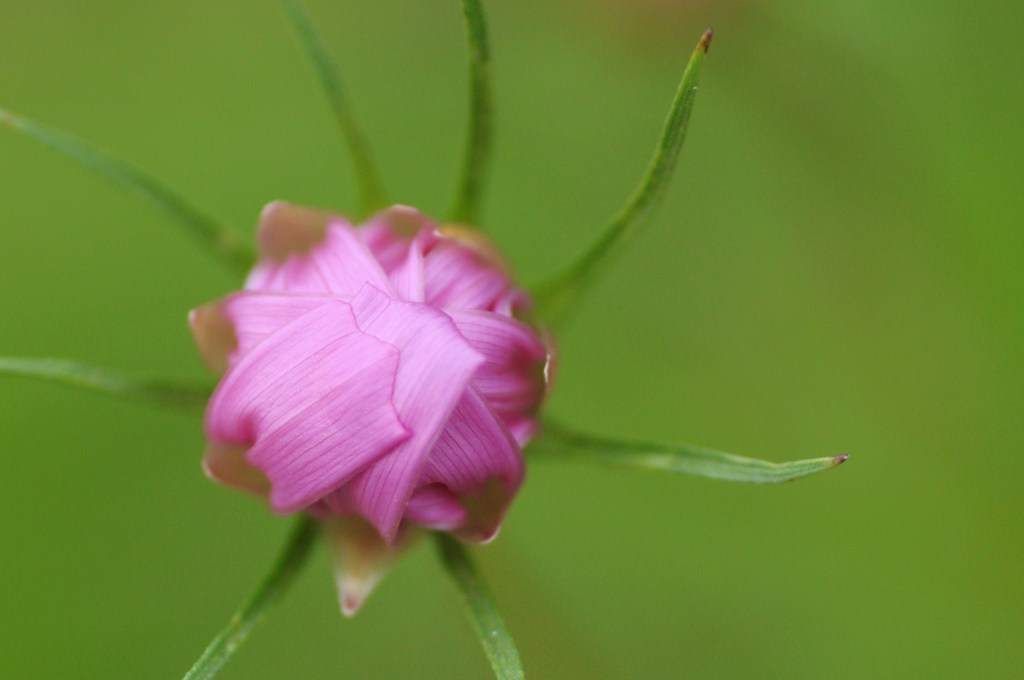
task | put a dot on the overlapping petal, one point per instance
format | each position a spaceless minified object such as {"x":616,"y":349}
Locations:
{"x":314,"y":399}
{"x":435,"y":368}
{"x":374,"y":375}
{"x":477,"y":459}
{"x":512,"y":378}
{"x":310,"y":258}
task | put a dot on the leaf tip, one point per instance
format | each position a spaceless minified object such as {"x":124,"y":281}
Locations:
{"x":705,"y":40}
{"x":839,"y":460}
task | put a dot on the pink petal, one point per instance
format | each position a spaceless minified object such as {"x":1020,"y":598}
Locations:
{"x":408,"y":277}
{"x":389,"y":233}
{"x":477,"y":459}
{"x":315,"y":401}
{"x":339,"y":265}
{"x":511,"y":379}
{"x":254,"y":316}
{"x":457,"y":277}
{"x":435,"y":368}
{"x":435,"y":507}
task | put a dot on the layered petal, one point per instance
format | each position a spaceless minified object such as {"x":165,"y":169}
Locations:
{"x":512,"y":379}
{"x":255,"y":316}
{"x":436,"y":507}
{"x":477,"y":459}
{"x":336,"y":263}
{"x":314,"y":400}
{"x":435,"y":369}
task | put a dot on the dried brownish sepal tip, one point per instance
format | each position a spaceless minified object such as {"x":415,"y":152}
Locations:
{"x":705,"y":40}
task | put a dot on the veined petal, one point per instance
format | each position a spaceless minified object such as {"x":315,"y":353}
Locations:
{"x":254,"y":316}
{"x":458,"y":277}
{"x":400,"y":238}
{"x":361,"y":558}
{"x":315,"y":401}
{"x":477,"y":459}
{"x":435,"y":368}
{"x":512,"y":377}
{"x":435,"y":507}
{"x":339,"y":264}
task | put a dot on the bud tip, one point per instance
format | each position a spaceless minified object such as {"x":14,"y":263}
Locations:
{"x":840,"y":459}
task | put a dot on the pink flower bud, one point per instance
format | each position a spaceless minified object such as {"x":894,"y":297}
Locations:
{"x":377,"y":373}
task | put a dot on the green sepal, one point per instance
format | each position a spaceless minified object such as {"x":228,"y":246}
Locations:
{"x":558,"y":296}
{"x":476,"y":156}
{"x":187,"y":395}
{"x":557,"y":441}
{"x":219,"y":239}
{"x":288,"y":565}
{"x":369,"y":186}
{"x":487,"y":621}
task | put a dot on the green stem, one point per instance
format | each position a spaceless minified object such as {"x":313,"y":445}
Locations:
{"x":288,"y":565}
{"x":190,"y":396}
{"x":557,"y":296}
{"x":368,"y":182}
{"x":476,"y":155}
{"x":216,"y":237}
{"x":487,"y":622}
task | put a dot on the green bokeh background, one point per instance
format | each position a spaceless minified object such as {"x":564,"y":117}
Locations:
{"x":837,"y":268}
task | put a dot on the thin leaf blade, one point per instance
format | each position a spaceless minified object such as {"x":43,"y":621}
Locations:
{"x":476,"y":156}
{"x":556,"y":298}
{"x":487,"y":621}
{"x":557,"y":441}
{"x":217,"y":238}
{"x":254,"y":608}
{"x":369,"y":186}
{"x":185,"y":395}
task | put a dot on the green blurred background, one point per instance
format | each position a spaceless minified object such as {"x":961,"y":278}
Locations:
{"x":837,"y":268}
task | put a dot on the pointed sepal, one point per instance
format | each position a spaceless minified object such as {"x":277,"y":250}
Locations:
{"x":361,"y":557}
{"x":557,"y":441}
{"x":557,"y":297}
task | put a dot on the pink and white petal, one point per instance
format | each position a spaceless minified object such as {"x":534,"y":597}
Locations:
{"x":225,"y":463}
{"x":314,"y":400}
{"x":477,"y":458}
{"x":435,"y":369}
{"x":457,"y":277}
{"x":435,"y":507}
{"x":408,"y":277}
{"x":254,"y":316}
{"x":361,"y":558}
{"x":389,"y":233}
{"x":512,"y":377}
{"x":339,"y":265}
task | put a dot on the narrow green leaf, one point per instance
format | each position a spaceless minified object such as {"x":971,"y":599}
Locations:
{"x":191,"y":396}
{"x":217,"y":238}
{"x":557,"y":441}
{"x":478,"y":139}
{"x":368,"y":182}
{"x":557,"y":296}
{"x":487,"y":622}
{"x":254,"y":608}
